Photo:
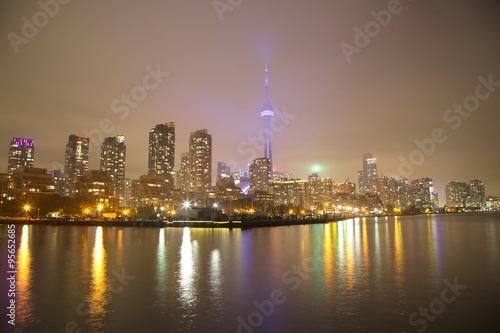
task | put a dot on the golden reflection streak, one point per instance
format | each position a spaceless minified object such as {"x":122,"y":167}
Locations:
{"x":366,"y":255}
{"x":99,"y":280}
{"x":399,"y":253}
{"x":24,"y":305}
{"x":328,"y":255}
{"x":349,"y":258}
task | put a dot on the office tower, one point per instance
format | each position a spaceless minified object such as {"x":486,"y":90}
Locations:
{"x":260,"y":174}
{"x":76,"y":160}
{"x":113,"y":153}
{"x":200,"y":161}
{"x":162,"y":152}
{"x":21,"y":153}
{"x":267,"y":112}
{"x":223,"y":171}
{"x":476,"y":194}
{"x":456,"y":194}
{"x":368,"y":174}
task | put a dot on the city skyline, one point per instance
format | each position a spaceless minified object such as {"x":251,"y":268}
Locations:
{"x":388,"y":99}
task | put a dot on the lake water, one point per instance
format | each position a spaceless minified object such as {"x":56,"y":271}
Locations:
{"x":436,"y":273}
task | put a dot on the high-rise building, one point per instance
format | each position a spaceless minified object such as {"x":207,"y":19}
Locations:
{"x":21,"y":153}
{"x":260,"y":174}
{"x":200,"y":161}
{"x":223,"y":171}
{"x":367,"y":176}
{"x":76,"y":160}
{"x":421,"y":191}
{"x":162,"y":152}
{"x":183,"y":173}
{"x":477,"y":197}
{"x":267,"y":112}
{"x":456,"y":194}
{"x":113,"y":162}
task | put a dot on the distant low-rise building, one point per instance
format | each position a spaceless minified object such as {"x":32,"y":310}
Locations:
{"x":29,"y":183}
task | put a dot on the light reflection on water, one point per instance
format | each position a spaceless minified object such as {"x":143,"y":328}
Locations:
{"x":161,"y":272}
{"x":188,"y":273}
{"x":370,"y":273}
{"x":24,"y":278}
{"x":216,"y":283}
{"x":98,"y":297}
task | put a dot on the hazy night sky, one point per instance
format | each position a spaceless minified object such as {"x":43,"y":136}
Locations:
{"x":65,"y":78}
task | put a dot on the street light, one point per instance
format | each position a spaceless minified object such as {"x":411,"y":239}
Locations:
{"x":27,"y":209}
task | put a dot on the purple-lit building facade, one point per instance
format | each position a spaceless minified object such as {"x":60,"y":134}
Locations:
{"x":21,"y":154}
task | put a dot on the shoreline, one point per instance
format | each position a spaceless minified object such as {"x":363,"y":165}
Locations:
{"x":176,"y":224}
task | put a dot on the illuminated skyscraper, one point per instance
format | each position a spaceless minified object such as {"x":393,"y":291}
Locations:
{"x":113,"y":162}
{"x":76,"y":160}
{"x":369,"y":173}
{"x":477,"y":193}
{"x":200,"y":161}
{"x":162,"y":152}
{"x":267,"y":112}
{"x":260,"y":174}
{"x":21,"y":153}
{"x":456,"y":194}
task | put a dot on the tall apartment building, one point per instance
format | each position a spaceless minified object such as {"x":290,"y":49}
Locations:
{"x":113,"y":153}
{"x":200,"y":161}
{"x":161,"y":161}
{"x":76,"y":161}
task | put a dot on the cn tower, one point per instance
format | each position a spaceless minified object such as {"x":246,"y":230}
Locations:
{"x":267,"y":112}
